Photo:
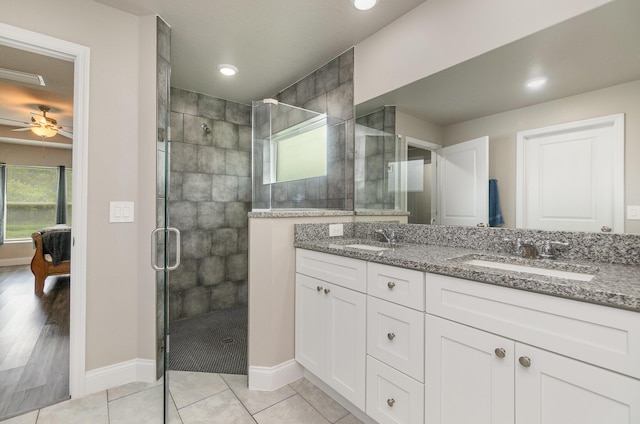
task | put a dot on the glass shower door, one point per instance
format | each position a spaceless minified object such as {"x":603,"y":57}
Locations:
{"x":165,"y":248}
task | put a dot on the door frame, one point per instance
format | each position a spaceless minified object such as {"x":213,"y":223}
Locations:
{"x":616,"y":122}
{"x":53,"y":47}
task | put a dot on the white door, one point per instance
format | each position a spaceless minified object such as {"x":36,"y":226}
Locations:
{"x":310,"y":323}
{"x":570,"y":177}
{"x":345,"y":347}
{"x":555,"y":389}
{"x":463,"y":183}
{"x":469,"y":375}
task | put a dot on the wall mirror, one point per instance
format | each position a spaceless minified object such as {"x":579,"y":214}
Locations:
{"x":591,"y":64}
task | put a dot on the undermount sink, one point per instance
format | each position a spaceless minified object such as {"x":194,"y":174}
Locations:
{"x":549,"y":272}
{"x":367,"y":247}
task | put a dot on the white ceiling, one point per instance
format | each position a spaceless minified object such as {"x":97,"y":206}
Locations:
{"x":273,"y":43}
{"x":19,"y":100}
{"x":595,"y":50}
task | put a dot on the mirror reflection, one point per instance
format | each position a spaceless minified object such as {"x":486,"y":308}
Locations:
{"x":591,"y":68}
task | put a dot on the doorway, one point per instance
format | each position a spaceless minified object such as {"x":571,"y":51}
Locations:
{"x":79,"y":55}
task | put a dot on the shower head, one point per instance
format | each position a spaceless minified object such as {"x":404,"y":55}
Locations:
{"x":205,"y":129}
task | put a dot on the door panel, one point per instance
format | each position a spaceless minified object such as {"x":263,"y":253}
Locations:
{"x":466,"y":381}
{"x":570,"y":176}
{"x":555,"y":389}
{"x":309,"y":330}
{"x":463,"y":183}
{"x":346,"y":343}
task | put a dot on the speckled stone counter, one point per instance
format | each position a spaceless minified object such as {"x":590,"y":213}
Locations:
{"x":296,"y":213}
{"x":614,"y":285}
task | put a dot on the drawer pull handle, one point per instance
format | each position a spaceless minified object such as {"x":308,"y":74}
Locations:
{"x":500,"y":352}
{"x":391,"y":285}
{"x":525,"y":361}
{"x":391,"y":336}
{"x":390,"y":402}
{"x":326,"y":291}
{"x":319,"y":288}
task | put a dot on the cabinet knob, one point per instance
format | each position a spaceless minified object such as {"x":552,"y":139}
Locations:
{"x":500,"y":352}
{"x":326,"y":291}
{"x":525,"y":361}
{"x":391,"y":285}
{"x":390,"y":402}
{"x":391,"y":336}
{"x":319,"y":288}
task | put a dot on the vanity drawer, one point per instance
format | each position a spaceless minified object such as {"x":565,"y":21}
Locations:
{"x":395,"y":336}
{"x":346,"y":272}
{"x":600,"y":335}
{"x":393,"y":397}
{"x":398,"y":285}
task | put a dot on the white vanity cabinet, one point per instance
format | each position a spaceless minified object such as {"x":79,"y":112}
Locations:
{"x":410,"y":347}
{"x":330,"y":330}
{"x":575,"y":372}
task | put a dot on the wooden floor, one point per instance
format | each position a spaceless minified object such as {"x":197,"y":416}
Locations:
{"x":34,"y":341}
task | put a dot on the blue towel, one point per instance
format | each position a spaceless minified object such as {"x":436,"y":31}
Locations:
{"x":495,"y":213}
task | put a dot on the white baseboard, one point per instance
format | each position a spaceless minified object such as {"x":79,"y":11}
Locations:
{"x":118,"y":374}
{"x":272,"y":378}
{"x":15,"y":261}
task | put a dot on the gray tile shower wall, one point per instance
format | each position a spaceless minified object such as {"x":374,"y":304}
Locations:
{"x":327,"y":90}
{"x":373,"y":154}
{"x":210,"y":195}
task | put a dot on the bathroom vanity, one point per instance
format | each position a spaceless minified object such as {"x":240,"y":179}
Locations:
{"x":421,"y":333}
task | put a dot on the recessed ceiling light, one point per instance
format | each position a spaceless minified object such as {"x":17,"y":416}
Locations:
{"x":228,"y":70}
{"x":536,"y":83}
{"x":363,"y":4}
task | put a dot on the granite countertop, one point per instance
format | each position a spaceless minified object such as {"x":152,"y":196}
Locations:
{"x":297,"y":213}
{"x":612,"y":285}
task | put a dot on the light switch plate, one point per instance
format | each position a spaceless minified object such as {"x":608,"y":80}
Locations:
{"x":633,"y":212}
{"x":336,"y":230}
{"x":121,"y":211}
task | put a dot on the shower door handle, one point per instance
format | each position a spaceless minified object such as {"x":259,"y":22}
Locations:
{"x":177,"y":233}
{"x":154,"y":249}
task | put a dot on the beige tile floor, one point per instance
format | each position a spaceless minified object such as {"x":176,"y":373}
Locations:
{"x":197,"y":398}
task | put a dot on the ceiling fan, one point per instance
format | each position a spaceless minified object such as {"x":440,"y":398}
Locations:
{"x":45,"y":126}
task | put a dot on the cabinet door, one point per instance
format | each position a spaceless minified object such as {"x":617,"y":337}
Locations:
{"x":555,"y":389}
{"x":346,"y":343}
{"x":310,"y":328}
{"x":469,"y":375}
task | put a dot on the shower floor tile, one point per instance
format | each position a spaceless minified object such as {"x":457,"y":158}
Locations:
{"x":213,"y":343}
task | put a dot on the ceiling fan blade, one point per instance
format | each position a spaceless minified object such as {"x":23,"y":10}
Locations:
{"x":65,"y":133}
{"x":22,"y":129}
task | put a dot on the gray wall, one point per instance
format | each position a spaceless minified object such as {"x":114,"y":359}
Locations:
{"x":372,"y":155}
{"x":209,"y":200}
{"x":327,"y":90}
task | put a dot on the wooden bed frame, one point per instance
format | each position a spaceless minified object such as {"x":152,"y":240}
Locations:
{"x":42,"y":268}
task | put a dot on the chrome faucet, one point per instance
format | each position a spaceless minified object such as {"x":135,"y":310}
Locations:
{"x":549,"y":249}
{"x":524,"y":248}
{"x":529,"y":250}
{"x":389,"y":235}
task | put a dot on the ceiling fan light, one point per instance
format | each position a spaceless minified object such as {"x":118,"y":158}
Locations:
{"x":44,"y":132}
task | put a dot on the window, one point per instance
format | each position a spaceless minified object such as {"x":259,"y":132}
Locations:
{"x":300,"y":151}
{"x":31,"y":196}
